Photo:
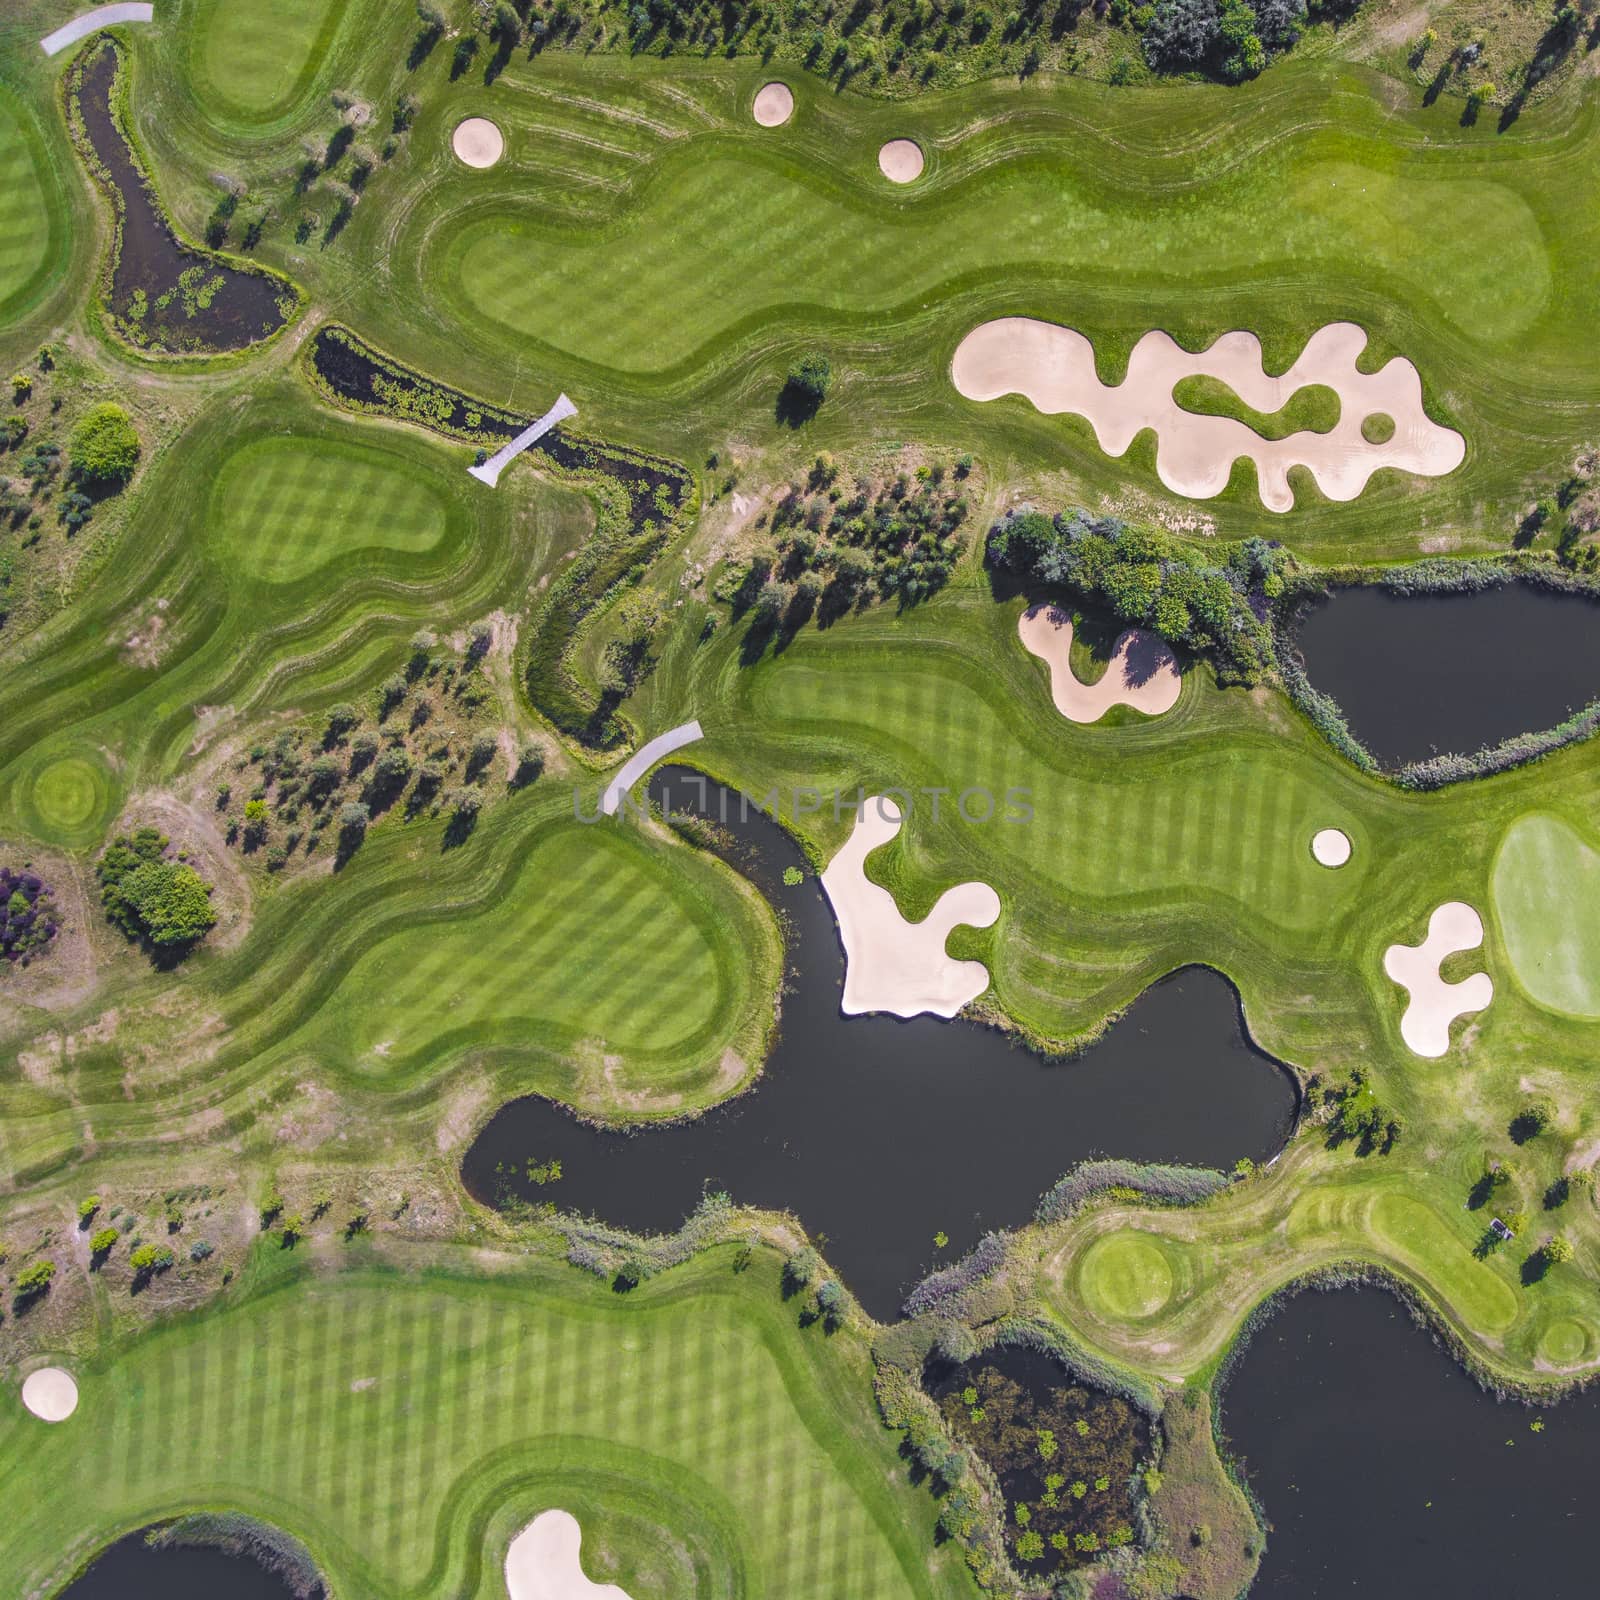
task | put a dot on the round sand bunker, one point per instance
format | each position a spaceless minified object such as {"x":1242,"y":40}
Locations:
{"x":900,"y":161}
{"x":50,"y":1394}
{"x":477,"y":142}
{"x":774,"y":105}
{"x":1331,"y":847}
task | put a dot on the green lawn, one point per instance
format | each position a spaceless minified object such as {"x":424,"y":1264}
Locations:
{"x":284,"y":507}
{"x":1547,"y":899}
{"x":404,"y":1426}
{"x":25,"y":221}
{"x":252,"y":58}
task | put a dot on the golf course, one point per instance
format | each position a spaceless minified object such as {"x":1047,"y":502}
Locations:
{"x":950,"y":423}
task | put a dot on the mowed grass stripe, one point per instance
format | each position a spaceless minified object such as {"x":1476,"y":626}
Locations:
{"x":285,"y":506}
{"x":24,"y":215}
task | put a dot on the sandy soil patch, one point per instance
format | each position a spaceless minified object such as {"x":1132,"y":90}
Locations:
{"x":1143,"y":672}
{"x":900,"y":161}
{"x":1054,"y":368}
{"x":542,"y":1563}
{"x":1435,"y":1004}
{"x":774,"y":105}
{"x":891,"y":964}
{"x":477,"y":142}
{"x":50,"y":1394}
{"x":1330,"y":847}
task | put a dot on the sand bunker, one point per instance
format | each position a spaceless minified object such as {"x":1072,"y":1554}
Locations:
{"x":1143,"y":672}
{"x":478,"y":142}
{"x":774,"y":105}
{"x":1435,"y":1004}
{"x":891,"y":964}
{"x":50,"y":1394}
{"x":900,"y":161}
{"x":1054,"y":368}
{"x":1331,"y":847}
{"x":542,"y":1563}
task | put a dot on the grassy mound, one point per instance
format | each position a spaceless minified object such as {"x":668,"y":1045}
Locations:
{"x":1126,"y":1275}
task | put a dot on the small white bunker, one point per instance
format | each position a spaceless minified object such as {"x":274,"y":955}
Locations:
{"x":477,"y":142}
{"x":1330,"y":847}
{"x":50,"y":1394}
{"x":542,"y":1563}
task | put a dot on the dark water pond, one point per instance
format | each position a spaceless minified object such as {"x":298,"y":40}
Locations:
{"x":164,"y":296}
{"x":1420,"y":675}
{"x":132,"y":1570}
{"x":879,"y":1133}
{"x":1386,"y":1471}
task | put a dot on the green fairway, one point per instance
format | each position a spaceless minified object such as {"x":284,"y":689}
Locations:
{"x":25,"y":223}
{"x":590,"y":939}
{"x":405,"y":1426}
{"x":282,"y":507}
{"x":1416,"y":1231}
{"x":251,"y":58}
{"x":1547,"y":900}
{"x":1126,"y":1275}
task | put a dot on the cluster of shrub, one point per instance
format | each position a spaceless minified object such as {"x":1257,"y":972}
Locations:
{"x":340,"y":773}
{"x":27,"y":916}
{"x":153,"y":897}
{"x":1229,"y":39}
{"x":1352,"y":1113}
{"x":337,"y":169}
{"x":940,"y":1291}
{"x":841,"y":548}
{"x":1214,"y":605}
{"x":103,"y":451}
{"x":1064,"y":1455}
{"x":923,"y":40}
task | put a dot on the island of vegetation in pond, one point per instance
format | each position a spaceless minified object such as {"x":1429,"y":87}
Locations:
{"x":1071,"y":1461}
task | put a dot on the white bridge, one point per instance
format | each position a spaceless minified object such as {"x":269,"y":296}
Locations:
{"x":491,"y":469}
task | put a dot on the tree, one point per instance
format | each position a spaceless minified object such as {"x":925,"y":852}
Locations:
{"x":34,"y":1279}
{"x":805,"y":388}
{"x":1180,"y":34}
{"x":104,"y":446}
{"x":102,"y":1242}
{"x":149,"y":897}
{"x":1557,"y":1249}
{"x":149,"y":1259}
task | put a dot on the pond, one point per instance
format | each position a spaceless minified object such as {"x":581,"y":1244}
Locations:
{"x":879,"y":1133}
{"x":163,"y":295}
{"x":1386,"y":1471}
{"x":132,"y":1570}
{"x":1419,"y":675}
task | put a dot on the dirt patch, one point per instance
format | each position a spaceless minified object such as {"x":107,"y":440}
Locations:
{"x":461,"y":1116}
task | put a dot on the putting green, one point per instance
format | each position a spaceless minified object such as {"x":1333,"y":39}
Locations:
{"x":1565,"y":1342}
{"x":283,"y":507}
{"x":1546,"y":892}
{"x":24,"y":214}
{"x":69,"y":798}
{"x":251,"y":58}
{"x":1125,"y":1276}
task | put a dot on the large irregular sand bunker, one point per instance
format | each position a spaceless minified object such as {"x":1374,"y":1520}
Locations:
{"x":477,"y":142}
{"x":1143,"y":672}
{"x":774,"y":105}
{"x":542,"y":1563}
{"x":50,"y":1394}
{"x":900,"y":161}
{"x":891,"y":964}
{"x":1054,"y":368}
{"x":1435,"y":1004}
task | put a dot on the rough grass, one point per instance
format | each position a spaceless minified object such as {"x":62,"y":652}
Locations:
{"x":1547,"y":900}
{"x":405,"y":1426}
